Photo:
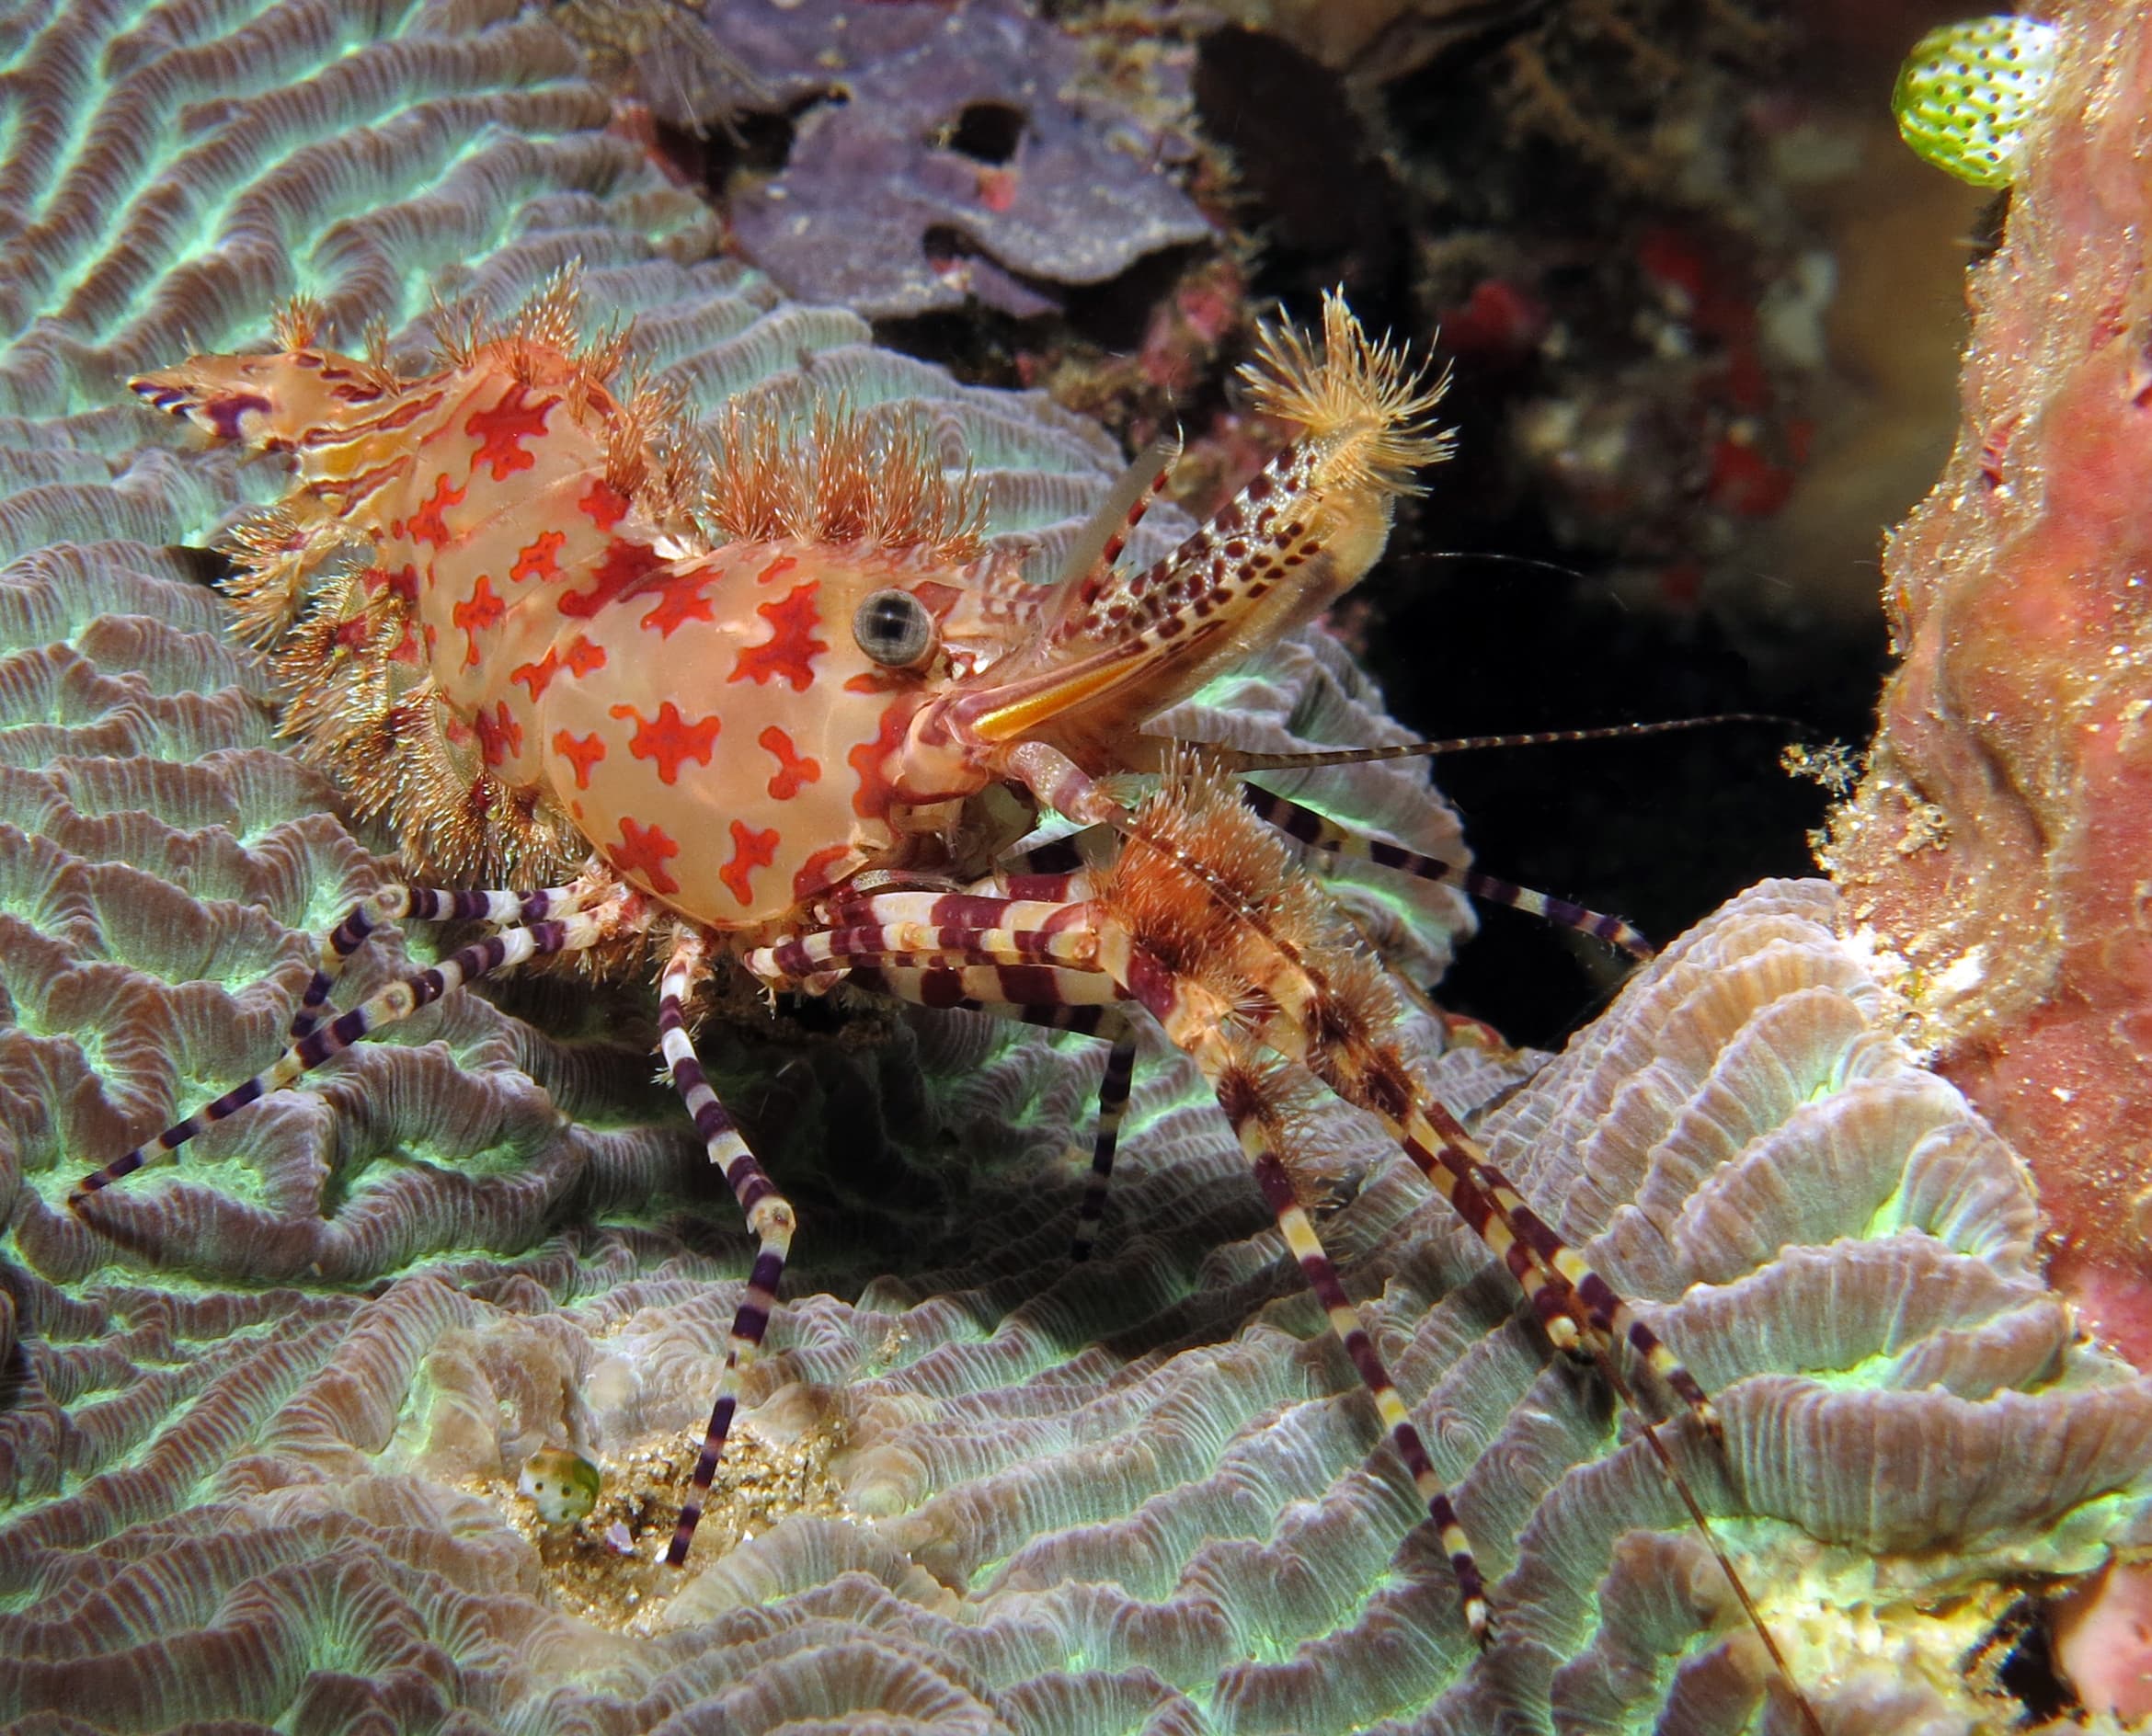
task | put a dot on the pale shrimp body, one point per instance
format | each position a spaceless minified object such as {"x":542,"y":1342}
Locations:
{"x":720,"y":736}
{"x":503,"y":535}
{"x":700,"y":713}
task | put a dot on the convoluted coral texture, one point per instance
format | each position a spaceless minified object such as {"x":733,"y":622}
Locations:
{"x":263,"y":1422}
{"x":941,"y":153}
{"x":1998,"y":843}
{"x":989,"y":1491}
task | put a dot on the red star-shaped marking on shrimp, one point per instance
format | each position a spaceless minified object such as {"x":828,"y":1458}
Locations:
{"x":750,"y":849}
{"x":870,"y":759}
{"x":603,"y":504}
{"x":537,"y":676}
{"x":625,"y":565}
{"x":668,"y":738}
{"x":500,"y":736}
{"x":426,"y":524}
{"x":793,"y":770}
{"x":478,"y":612}
{"x":580,"y":751}
{"x":501,"y":431}
{"x":539,"y":558}
{"x":642,"y":855}
{"x":582,"y":658}
{"x":789,"y":652}
{"x":680,"y":601}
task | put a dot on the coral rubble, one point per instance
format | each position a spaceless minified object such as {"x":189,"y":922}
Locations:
{"x":1998,"y":843}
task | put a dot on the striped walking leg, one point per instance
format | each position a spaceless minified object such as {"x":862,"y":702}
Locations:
{"x":390,"y":1005}
{"x":1348,"y":1063}
{"x":1047,"y":948}
{"x":1043,"y":945}
{"x":1083,"y":1011}
{"x":1577,"y":1308}
{"x":1444,"y":1165}
{"x":1112,"y":1103}
{"x":1196,"y":1026}
{"x":1316,"y":1026}
{"x":1598,"y":1306}
{"x":1317,"y":831}
{"x":1002,"y":951}
{"x":397,"y":902}
{"x":769,"y":1217}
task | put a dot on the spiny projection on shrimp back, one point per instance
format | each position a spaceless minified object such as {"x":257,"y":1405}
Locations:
{"x":764,"y":701}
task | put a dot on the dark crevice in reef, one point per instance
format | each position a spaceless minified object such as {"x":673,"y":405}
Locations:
{"x":1660,"y":828}
{"x":747,"y":141}
{"x":985,"y":132}
{"x":983,"y":347}
{"x":1326,"y":204}
{"x":1434,"y":203}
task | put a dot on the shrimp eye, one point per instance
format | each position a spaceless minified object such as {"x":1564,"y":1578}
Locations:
{"x":894,"y":628}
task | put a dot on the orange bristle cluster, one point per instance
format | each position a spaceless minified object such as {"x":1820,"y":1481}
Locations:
{"x":1361,"y":401}
{"x":847,"y":476}
{"x":1210,"y":892}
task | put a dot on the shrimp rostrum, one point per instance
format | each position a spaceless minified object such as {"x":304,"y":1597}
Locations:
{"x":745,"y":701}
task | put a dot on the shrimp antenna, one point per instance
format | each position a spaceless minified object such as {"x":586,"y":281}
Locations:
{"x":1236,"y":760}
{"x":1493,"y":558}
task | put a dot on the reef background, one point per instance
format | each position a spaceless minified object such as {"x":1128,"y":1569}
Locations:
{"x":264,"y":1411}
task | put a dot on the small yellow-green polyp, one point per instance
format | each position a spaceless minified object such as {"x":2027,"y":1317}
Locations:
{"x":1968,"y":92}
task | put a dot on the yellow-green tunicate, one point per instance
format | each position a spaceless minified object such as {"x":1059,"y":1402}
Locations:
{"x":562,"y":1485}
{"x":1967,"y":91}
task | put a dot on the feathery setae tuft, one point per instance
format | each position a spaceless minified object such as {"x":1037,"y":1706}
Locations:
{"x":1361,"y":398}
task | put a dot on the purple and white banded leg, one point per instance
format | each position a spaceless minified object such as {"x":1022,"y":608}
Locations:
{"x":1317,"y":831}
{"x":768,"y":1217}
{"x":947,"y":988}
{"x":1570,"y":1301}
{"x":1070,"y":953}
{"x":401,"y":902}
{"x":572,"y":931}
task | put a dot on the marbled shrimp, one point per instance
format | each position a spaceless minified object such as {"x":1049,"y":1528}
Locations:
{"x":769,"y":702}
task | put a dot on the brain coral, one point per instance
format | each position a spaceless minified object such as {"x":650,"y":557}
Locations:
{"x":260,"y":1430}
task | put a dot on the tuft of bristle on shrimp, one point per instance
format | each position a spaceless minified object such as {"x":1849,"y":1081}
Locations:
{"x":851,"y":477}
{"x":1363,"y":404}
{"x":298,"y":324}
{"x":543,"y":338}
